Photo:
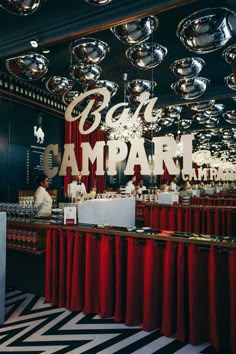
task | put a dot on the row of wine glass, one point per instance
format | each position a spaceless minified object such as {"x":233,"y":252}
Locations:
{"x":24,"y":239}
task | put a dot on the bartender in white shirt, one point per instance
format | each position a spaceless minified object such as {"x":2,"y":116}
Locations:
{"x":130,"y":185}
{"x":173,"y":185}
{"x":42,"y":199}
{"x":141,"y":187}
{"x":76,"y":188}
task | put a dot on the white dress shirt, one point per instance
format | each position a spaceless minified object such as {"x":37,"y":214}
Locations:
{"x":43,"y":202}
{"x":131,"y":187}
{"x":75,"y":189}
{"x":173,"y":186}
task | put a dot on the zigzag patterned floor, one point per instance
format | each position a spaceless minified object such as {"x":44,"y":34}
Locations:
{"x":35,"y":327}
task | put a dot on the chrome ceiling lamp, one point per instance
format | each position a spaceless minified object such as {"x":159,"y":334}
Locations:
{"x":136,"y":31}
{"x":230,"y":81}
{"x":187,"y":67}
{"x":86,"y":54}
{"x":31,"y":66}
{"x":201,"y":105}
{"x":58,"y":85}
{"x":190,"y":89}
{"x":138,"y":87}
{"x":207,"y":30}
{"x":230,"y":54}
{"x":89,"y":51}
{"x":146,"y":56}
{"x":20,"y":7}
{"x":230,"y":117}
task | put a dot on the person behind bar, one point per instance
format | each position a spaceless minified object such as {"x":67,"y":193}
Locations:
{"x":42,"y":199}
{"x":76,"y":188}
{"x":81,"y":189}
{"x":130,"y":185}
{"x":141,"y":187}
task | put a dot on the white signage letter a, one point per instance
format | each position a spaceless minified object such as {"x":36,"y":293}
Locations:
{"x":164,"y":156}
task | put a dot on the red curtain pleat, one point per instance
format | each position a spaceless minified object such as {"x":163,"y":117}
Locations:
{"x":168,"y":325}
{"x":172,"y":219}
{"x":182,"y":300}
{"x":92,"y":270}
{"x":163,"y":218}
{"x":62,"y":268}
{"x":78,"y":270}
{"x":107,"y":276}
{"x":186,"y":212}
{"x":120,"y":278}
{"x":134,"y":286}
{"x":198,"y":282}
{"x":69,"y":263}
{"x":153,"y":285}
{"x":180,"y":219}
{"x":219,"y":299}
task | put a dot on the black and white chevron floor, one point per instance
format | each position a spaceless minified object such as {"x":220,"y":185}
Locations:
{"x":33,"y":326}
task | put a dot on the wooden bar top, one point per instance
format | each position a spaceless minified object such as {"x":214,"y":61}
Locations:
{"x":157,"y":235}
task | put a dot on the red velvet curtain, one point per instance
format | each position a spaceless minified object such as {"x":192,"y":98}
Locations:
{"x":73,"y":136}
{"x":186,"y":290}
{"x":205,"y":220}
{"x":165,"y":175}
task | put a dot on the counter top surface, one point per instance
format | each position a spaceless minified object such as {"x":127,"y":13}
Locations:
{"x":158,"y":235}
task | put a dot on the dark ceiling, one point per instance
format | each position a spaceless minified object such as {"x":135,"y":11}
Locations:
{"x":57,"y":23}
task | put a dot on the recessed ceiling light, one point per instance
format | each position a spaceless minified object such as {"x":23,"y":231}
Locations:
{"x":45,"y":50}
{"x":34,"y":43}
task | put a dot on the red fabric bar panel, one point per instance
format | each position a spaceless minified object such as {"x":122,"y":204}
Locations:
{"x":217,"y":221}
{"x":229,"y":222}
{"x":163,"y":215}
{"x":120,"y":278}
{"x":168,"y":326}
{"x":155,"y":217}
{"x":209,"y":222}
{"x":55,"y":268}
{"x":198,"y":294}
{"x":219,"y":299}
{"x":153,"y":285}
{"x":62,"y":269}
{"x":78,"y":271}
{"x":134,"y":287}
{"x":196,"y":221}
{"x":203,"y":220}
{"x":107,"y":276}
{"x":147,"y":216}
{"x":69,"y":263}
{"x":172,"y":219}
{"x":179,"y":219}
{"x":92,"y":265}
{"x":182,"y":304}
{"x":48,"y":272}
{"x":186,"y":213}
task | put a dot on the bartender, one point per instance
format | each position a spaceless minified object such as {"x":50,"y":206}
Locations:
{"x":141,"y":187}
{"x":76,"y":188}
{"x":130,"y":185}
{"x":42,"y":199}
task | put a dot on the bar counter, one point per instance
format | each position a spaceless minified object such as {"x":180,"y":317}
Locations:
{"x":185,"y":287}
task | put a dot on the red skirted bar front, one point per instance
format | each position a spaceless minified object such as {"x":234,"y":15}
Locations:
{"x":205,"y":219}
{"x":186,"y":290}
